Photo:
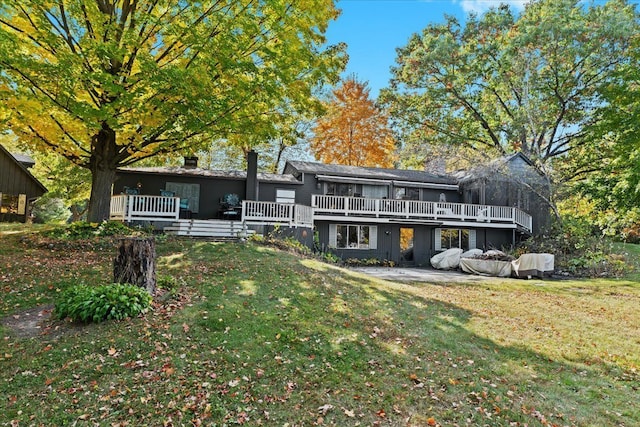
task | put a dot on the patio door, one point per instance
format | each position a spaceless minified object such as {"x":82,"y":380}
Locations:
{"x":406,"y":246}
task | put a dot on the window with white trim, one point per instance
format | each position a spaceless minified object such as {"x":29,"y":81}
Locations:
{"x":448,"y":238}
{"x":342,"y":236}
{"x":285,"y":195}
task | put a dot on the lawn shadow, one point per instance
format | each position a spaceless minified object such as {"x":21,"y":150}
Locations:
{"x":364,"y":344}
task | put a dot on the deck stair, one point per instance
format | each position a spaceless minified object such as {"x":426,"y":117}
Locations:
{"x":217,"y":229}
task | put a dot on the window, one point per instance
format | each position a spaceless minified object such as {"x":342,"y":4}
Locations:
{"x":190,"y":192}
{"x":285,"y":196}
{"x":375,"y":191}
{"x":339,"y":189}
{"x":8,"y":203}
{"x":353,"y":236}
{"x":406,"y":193}
{"x":448,"y":238}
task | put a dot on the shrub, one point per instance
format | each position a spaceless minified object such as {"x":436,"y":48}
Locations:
{"x":369,"y":262}
{"x":330,"y":257}
{"x":50,"y":210}
{"x":169,"y":284}
{"x":579,"y":248}
{"x":87,"y":230}
{"x":105,"y":302}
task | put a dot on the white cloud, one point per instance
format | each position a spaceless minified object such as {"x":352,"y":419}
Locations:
{"x":481,"y":6}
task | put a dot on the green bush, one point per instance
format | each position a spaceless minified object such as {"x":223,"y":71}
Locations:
{"x":87,"y":230}
{"x":105,"y":302}
{"x":47,"y":210}
{"x":579,"y":248}
{"x":330,"y":257}
{"x":369,"y":262}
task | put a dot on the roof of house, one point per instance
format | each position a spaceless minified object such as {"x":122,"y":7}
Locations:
{"x":26,"y":161}
{"x":494,"y":166}
{"x":21,"y":165}
{"x":368,"y":172}
{"x":208,"y":173}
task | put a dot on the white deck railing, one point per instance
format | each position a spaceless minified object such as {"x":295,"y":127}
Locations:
{"x":419,"y":210}
{"x":277,"y":213}
{"x":125,"y":207}
{"x":158,"y":208}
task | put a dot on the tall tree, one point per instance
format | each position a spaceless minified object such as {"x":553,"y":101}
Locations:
{"x":611,"y":163}
{"x":503,"y":84}
{"x":106,"y":83}
{"x":353,"y":131}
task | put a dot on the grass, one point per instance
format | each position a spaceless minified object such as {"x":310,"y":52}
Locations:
{"x":257,"y":336}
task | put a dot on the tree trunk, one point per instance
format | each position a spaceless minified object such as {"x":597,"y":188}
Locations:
{"x":135,"y":263}
{"x":102,"y":164}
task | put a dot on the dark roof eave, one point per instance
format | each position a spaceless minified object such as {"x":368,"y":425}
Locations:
{"x":208,"y":174}
{"x":375,"y":173}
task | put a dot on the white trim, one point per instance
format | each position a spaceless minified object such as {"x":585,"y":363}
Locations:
{"x":400,"y":183}
{"x":373,"y":237}
{"x":438,"y":237}
{"x":431,"y":185}
{"x":285,"y":195}
{"x":350,"y":180}
{"x":333,"y":235}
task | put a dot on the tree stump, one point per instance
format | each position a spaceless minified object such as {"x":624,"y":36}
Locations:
{"x":135,"y":262}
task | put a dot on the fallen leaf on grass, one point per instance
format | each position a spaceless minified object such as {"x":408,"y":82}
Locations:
{"x":325,"y":408}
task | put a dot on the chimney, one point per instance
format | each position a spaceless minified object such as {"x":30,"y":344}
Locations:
{"x":190,"y":162}
{"x":252,"y":176}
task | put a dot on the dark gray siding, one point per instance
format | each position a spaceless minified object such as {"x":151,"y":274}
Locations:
{"x":382,"y":252}
{"x":490,"y":238}
{"x":211,"y":190}
{"x":307,"y":189}
{"x":311,"y":185}
{"x":388,"y":247}
{"x":267,"y":190}
{"x":430,"y":195}
{"x":517,"y":184}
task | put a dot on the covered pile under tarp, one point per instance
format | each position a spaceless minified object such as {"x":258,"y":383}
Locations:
{"x":486,"y":267}
{"x":533,"y":265}
{"x":447,"y":260}
{"x":494,"y":263}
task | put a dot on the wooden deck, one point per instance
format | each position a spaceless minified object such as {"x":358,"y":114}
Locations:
{"x":387,"y":210}
{"x":126,"y":207}
{"x":157,"y":208}
{"x":271,"y":213}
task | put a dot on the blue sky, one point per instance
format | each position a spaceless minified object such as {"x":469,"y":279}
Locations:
{"x":373,"y":29}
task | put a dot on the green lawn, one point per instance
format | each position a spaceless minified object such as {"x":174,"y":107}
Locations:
{"x":259,"y":336}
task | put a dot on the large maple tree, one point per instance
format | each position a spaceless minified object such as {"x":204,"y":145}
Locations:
{"x":501,"y":83}
{"x":106,"y":83}
{"x":354,"y":131}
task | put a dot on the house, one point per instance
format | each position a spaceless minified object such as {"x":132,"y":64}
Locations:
{"x":404,"y":216}
{"x":18,"y":187}
{"x":511,"y":180}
